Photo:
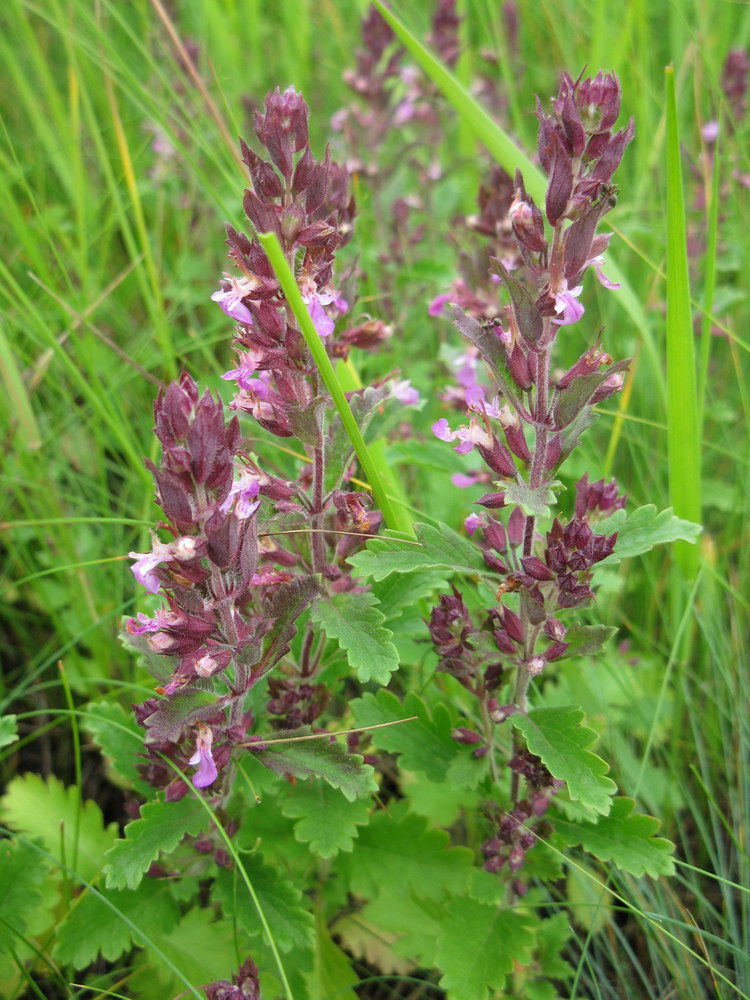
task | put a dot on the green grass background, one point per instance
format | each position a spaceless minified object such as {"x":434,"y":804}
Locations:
{"x":108,"y":262}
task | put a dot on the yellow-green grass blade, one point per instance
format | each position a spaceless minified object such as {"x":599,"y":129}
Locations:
{"x":683,"y":437}
{"x":285,"y":277}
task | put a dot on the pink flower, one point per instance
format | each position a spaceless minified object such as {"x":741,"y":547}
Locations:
{"x":321,"y":321}
{"x":436,"y":306}
{"x":566,"y":302}
{"x":243,"y":493}
{"x":229,"y":300}
{"x":162,"y":618}
{"x":463,"y":481}
{"x":146,"y":562}
{"x":472,"y":522}
{"x":206,"y":773}
{"x":467,"y":436}
{"x":710,"y":132}
{"x":603,"y":279}
{"x":249,"y":361}
{"x":405,"y":392}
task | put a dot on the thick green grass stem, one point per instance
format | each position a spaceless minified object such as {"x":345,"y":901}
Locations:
{"x":271,"y":245}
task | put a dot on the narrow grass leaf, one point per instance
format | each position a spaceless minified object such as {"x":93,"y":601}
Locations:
{"x":683,"y":437}
{"x":285,"y":277}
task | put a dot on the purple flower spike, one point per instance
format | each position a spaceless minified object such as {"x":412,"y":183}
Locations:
{"x":206,"y":774}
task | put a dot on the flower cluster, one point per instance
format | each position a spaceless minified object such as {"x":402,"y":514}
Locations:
{"x":389,"y":92}
{"x":525,"y":425}
{"x":248,"y":549}
{"x":217,"y":580}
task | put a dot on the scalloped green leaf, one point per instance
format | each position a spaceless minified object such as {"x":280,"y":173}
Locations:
{"x":281,"y":901}
{"x":399,"y":592}
{"x":110,"y":923}
{"x":23,"y":871}
{"x":626,"y":838}
{"x":585,"y":640}
{"x":534,"y":501}
{"x":317,"y":758}
{"x":557,"y":736}
{"x":120,"y":738}
{"x":479,"y":945}
{"x":640,"y":530}
{"x":326,"y":820}
{"x":160,"y":828}
{"x":418,"y":924}
{"x":357,"y":625}
{"x":8,"y":730}
{"x":425,"y":744}
{"x":436,"y":548}
{"x":67,"y":827}
{"x":400,"y":853}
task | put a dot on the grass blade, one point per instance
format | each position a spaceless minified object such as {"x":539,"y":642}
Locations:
{"x":683,"y":437}
{"x":285,"y":277}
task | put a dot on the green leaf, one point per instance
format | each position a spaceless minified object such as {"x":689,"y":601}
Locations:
{"x":160,"y":667}
{"x":110,"y":923}
{"x":625,"y":838}
{"x":527,"y":314}
{"x":400,"y":592}
{"x":479,"y":945}
{"x":339,"y":448}
{"x":556,"y":735}
{"x":489,"y":345}
{"x":67,"y":828}
{"x":166,"y":723}
{"x":642,"y":529}
{"x":318,"y":759}
{"x":332,"y":974}
{"x":8,"y":730}
{"x":585,"y":640}
{"x":282,"y":903}
{"x":200,"y":947}
{"x":438,"y":548}
{"x":326,"y":820}
{"x":553,"y":935}
{"x":533,"y":501}
{"x":425,"y":744}
{"x":366,"y":941}
{"x":23,"y":871}
{"x":575,"y":396}
{"x":120,"y":738}
{"x":418,"y":924}
{"x":357,"y":625}
{"x":284,"y":608}
{"x":399,"y":853}
{"x":161,"y":827}
{"x":466,"y":771}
